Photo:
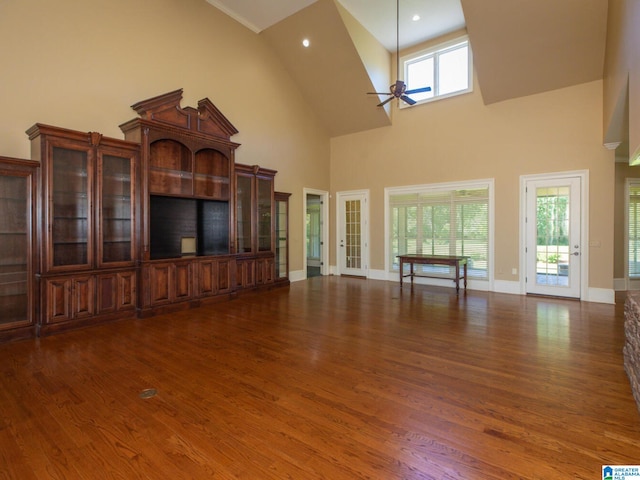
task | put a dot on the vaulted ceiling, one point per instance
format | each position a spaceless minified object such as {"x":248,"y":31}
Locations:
{"x":519,"y":47}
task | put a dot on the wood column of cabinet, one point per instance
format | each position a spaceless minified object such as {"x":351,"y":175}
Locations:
{"x":18,"y":255}
{"x":255,"y":226}
{"x":88,"y":229}
{"x":187,"y":203}
{"x":282,"y":237}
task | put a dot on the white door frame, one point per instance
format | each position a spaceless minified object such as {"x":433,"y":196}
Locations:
{"x":584,"y":225}
{"x":324,"y":234}
{"x":365,"y":230}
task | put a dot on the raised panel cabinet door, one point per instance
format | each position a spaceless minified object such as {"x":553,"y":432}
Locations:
{"x":183,"y":283}
{"x":269,"y":270}
{"x":83,"y":296}
{"x":107,"y":293}
{"x":224,"y":275}
{"x":58,"y":300}
{"x":207,"y":278}
{"x":126,"y":290}
{"x":160,"y":281}
{"x":246,"y":273}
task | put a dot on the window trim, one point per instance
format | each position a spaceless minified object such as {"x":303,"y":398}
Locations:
{"x":434,"y":51}
{"x":489,"y":183}
{"x":633,"y":282}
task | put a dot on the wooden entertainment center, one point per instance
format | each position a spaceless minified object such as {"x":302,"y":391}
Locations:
{"x":110,"y":229}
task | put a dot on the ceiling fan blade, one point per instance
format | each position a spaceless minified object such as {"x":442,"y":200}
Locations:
{"x":418,"y":90}
{"x":378,"y":93}
{"x":382,"y":104}
{"x":407,"y":100}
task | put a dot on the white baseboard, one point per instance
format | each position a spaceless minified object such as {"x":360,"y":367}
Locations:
{"x":297,"y":275}
{"x":620,"y":284}
{"x":598,"y":295}
{"x":507,"y":286}
{"x":601,"y":295}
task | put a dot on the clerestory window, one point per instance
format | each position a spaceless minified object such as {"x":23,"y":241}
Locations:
{"x":446,"y":68}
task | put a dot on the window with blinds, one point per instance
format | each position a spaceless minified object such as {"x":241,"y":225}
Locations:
{"x":437,"y":221}
{"x":634,"y":228}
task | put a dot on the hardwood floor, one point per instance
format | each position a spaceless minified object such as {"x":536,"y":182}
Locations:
{"x":336,"y":378}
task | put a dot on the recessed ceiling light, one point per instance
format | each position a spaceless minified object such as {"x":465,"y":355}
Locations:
{"x":415,"y":18}
{"x":305,"y":43}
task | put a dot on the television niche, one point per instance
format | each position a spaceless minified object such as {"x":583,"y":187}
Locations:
{"x":174,"y":224}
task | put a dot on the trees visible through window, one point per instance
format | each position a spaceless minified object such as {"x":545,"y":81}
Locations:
{"x":441,"y":221}
{"x":447,"y":69}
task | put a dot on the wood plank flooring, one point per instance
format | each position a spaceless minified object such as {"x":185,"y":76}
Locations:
{"x":334,"y":378}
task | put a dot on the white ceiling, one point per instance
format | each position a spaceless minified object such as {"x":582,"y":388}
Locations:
{"x":437,"y":17}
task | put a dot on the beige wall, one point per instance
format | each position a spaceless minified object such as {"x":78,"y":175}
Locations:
{"x":622,"y":75}
{"x":462,"y":139}
{"x":80,"y":65}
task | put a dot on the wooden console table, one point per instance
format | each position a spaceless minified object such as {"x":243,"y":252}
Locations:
{"x":452,"y":261}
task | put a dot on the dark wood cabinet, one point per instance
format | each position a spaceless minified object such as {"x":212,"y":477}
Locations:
{"x":255,"y":226}
{"x":254,"y":209}
{"x":88,"y":226}
{"x":94,"y":228}
{"x":282,"y":237}
{"x":187,"y":202}
{"x":18,"y":189}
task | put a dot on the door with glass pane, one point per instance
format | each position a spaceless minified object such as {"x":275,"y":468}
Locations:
{"x":352,"y":235}
{"x":553,"y":236}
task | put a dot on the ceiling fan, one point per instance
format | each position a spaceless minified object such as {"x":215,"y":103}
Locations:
{"x":399,"y":88}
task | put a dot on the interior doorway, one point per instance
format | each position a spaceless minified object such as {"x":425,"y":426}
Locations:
{"x":315,"y":245}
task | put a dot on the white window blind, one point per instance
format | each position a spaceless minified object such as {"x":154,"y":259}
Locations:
{"x":634,"y":229}
{"x":452,"y":221}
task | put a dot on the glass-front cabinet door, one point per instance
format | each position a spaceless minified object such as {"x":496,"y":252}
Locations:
{"x":17,"y":190}
{"x":282,"y":235}
{"x":243,"y":213}
{"x":116,"y":191}
{"x":70,"y":215}
{"x":265,"y":205}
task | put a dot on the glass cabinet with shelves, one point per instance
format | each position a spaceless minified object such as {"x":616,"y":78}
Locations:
{"x":88,"y":248}
{"x":116,"y":208}
{"x":69,"y":214}
{"x":282,"y":236}
{"x":18,"y":185}
{"x":254,"y":209}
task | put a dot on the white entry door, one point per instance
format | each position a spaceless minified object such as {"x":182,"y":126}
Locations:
{"x":353,"y":213}
{"x":553,"y":236}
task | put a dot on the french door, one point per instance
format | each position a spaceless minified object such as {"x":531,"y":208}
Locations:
{"x":553,"y":236}
{"x":353,"y":254}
